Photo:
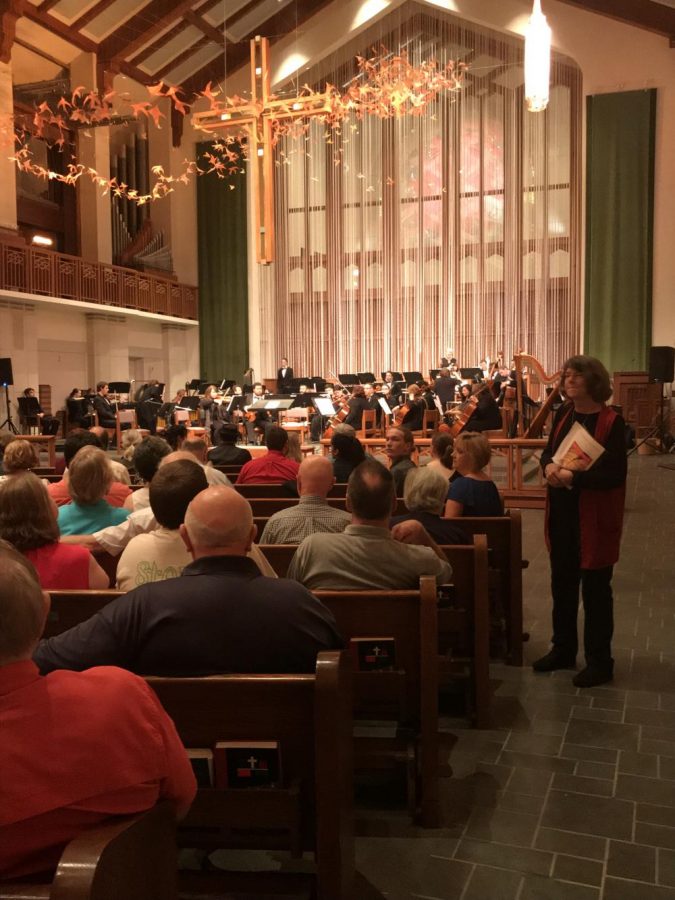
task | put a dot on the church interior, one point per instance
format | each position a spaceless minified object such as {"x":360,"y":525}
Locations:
{"x":252,"y":222}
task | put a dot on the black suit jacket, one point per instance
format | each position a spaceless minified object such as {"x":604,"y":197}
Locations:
{"x":444,"y":388}
{"x":284,"y":381}
{"x":105,"y":411}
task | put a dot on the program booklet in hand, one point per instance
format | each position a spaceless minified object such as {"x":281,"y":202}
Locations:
{"x":578,"y":450}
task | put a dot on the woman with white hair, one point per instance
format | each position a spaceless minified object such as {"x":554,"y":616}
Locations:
{"x":424,"y":495}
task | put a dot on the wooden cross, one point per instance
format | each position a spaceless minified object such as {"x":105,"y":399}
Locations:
{"x":256,"y":119}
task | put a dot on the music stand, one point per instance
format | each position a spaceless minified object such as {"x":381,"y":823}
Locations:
{"x":349,"y":378}
{"x":189,"y":403}
{"x":412,"y":377}
{"x":475,"y":374}
{"x":398,"y":376}
{"x":319,"y":383}
{"x":365,"y":377}
{"x":273,"y":404}
{"x":434,"y":373}
{"x":193,"y":385}
{"x":119,"y":387}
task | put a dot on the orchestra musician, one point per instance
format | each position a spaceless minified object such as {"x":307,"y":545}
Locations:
{"x":79,"y":410}
{"x":357,"y":404}
{"x":486,"y":415}
{"x":284,"y":377}
{"x":34,"y":414}
{"x":257,"y":420}
{"x":105,"y":410}
{"x":445,"y":387}
{"x":410,"y":413}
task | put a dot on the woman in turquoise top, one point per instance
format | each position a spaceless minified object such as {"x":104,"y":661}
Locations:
{"x":474,"y":493}
{"x":89,"y":479}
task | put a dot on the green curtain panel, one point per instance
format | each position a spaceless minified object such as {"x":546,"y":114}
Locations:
{"x":223,"y":275}
{"x":619,"y":227}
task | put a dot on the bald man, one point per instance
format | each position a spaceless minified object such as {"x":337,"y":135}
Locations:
{"x":220,"y":615}
{"x":76,"y":748}
{"x":312,"y":514}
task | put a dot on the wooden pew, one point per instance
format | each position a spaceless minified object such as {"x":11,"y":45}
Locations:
{"x":463,"y":624}
{"x":505,"y":546}
{"x":69,"y":608}
{"x":128,"y":858}
{"x":310,"y":717}
{"x":406,"y":697}
{"x":267,"y":506}
{"x":254,"y":491}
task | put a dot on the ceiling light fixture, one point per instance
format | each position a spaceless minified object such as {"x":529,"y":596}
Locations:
{"x":42,"y":240}
{"x":537,"y":60}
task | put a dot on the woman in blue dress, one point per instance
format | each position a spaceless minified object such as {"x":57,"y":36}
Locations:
{"x":473,"y":493}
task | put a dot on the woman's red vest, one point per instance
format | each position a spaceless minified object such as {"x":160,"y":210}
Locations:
{"x":600,"y":511}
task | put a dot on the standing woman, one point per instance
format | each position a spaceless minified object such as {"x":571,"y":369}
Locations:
{"x":584,"y":519}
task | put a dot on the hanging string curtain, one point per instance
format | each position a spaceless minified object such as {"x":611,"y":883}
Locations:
{"x":457,"y":228}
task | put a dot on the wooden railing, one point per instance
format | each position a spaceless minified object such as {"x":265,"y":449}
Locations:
{"x":33,"y":270}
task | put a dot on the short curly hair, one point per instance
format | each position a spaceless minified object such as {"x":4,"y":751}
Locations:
{"x":595,"y":375}
{"x":19,"y":457}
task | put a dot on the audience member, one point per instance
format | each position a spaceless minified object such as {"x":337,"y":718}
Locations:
{"x":227,"y":453}
{"x":294,"y":451}
{"x":425,"y":493}
{"x":199,"y":450}
{"x":20,"y":457}
{"x":130,"y":440}
{"x":441,"y":453}
{"x":114,"y":538}
{"x":220,"y":615}
{"x":273,"y":467}
{"x":6,"y":438}
{"x":474,"y":494}
{"x":89,"y":479}
{"x":76,"y":748}
{"x":399,"y":448}
{"x":161,"y":553}
{"x":312,"y":514}
{"x":367,"y":555}
{"x":58,"y":490}
{"x":146,"y":459}
{"x":28,"y":521}
{"x":174,"y":435}
{"x":347,"y":453}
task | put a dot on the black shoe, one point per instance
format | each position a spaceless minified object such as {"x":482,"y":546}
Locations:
{"x":592,"y":676}
{"x":554,"y":659}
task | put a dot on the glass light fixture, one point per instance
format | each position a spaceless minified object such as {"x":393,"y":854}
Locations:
{"x":537,"y":60}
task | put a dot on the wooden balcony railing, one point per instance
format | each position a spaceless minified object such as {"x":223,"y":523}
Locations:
{"x":33,"y":270}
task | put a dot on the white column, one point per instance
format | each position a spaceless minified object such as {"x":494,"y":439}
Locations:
{"x":18,"y":342}
{"x":107,"y":348}
{"x":93,"y":151}
{"x":7,"y":168}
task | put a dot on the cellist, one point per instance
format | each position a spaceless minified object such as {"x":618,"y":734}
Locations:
{"x":410,"y":413}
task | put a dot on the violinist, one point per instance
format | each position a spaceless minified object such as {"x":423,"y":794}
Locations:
{"x":257,"y":420}
{"x":206,"y":405}
{"x":411,"y":412}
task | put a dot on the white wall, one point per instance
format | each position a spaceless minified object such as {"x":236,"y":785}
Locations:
{"x":66,"y":348}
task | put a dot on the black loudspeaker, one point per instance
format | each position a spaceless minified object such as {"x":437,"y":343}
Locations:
{"x":661,"y":364}
{"x":6,"y":377}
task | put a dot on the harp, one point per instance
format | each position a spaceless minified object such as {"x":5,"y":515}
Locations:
{"x":535,"y":427}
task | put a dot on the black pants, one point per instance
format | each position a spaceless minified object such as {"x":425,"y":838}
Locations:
{"x":596,"y":592}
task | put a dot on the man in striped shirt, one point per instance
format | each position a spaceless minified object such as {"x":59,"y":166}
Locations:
{"x":313,"y":513}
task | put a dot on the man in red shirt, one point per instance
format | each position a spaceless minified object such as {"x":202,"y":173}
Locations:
{"x":274,"y":467}
{"x":58,"y":490}
{"x":75,"y":747}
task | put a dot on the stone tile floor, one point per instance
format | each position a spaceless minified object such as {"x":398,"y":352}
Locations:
{"x":571,"y":793}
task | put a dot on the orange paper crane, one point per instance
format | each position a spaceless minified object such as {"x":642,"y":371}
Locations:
{"x":256,"y":118}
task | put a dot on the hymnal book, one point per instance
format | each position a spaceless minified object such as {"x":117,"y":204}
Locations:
{"x":374,"y":654}
{"x":201,"y":760}
{"x":578,"y":450}
{"x":247,"y":764}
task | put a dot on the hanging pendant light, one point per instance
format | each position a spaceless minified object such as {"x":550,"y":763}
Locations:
{"x":537,"y":59}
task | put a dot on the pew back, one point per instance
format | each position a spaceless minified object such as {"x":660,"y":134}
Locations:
{"x":310,"y":717}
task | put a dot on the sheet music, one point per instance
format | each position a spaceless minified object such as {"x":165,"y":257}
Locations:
{"x":385,"y":406}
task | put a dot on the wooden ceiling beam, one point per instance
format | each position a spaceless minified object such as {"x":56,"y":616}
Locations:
{"x":56,"y":26}
{"x":90,"y":15}
{"x":641,"y":13}
{"x":215,"y":36}
{"x":136,"y":32}
{"x":178,"y":60}
{"x":10,"y":12}
{"x":157,"y":44}
{"x":46,"y":5}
